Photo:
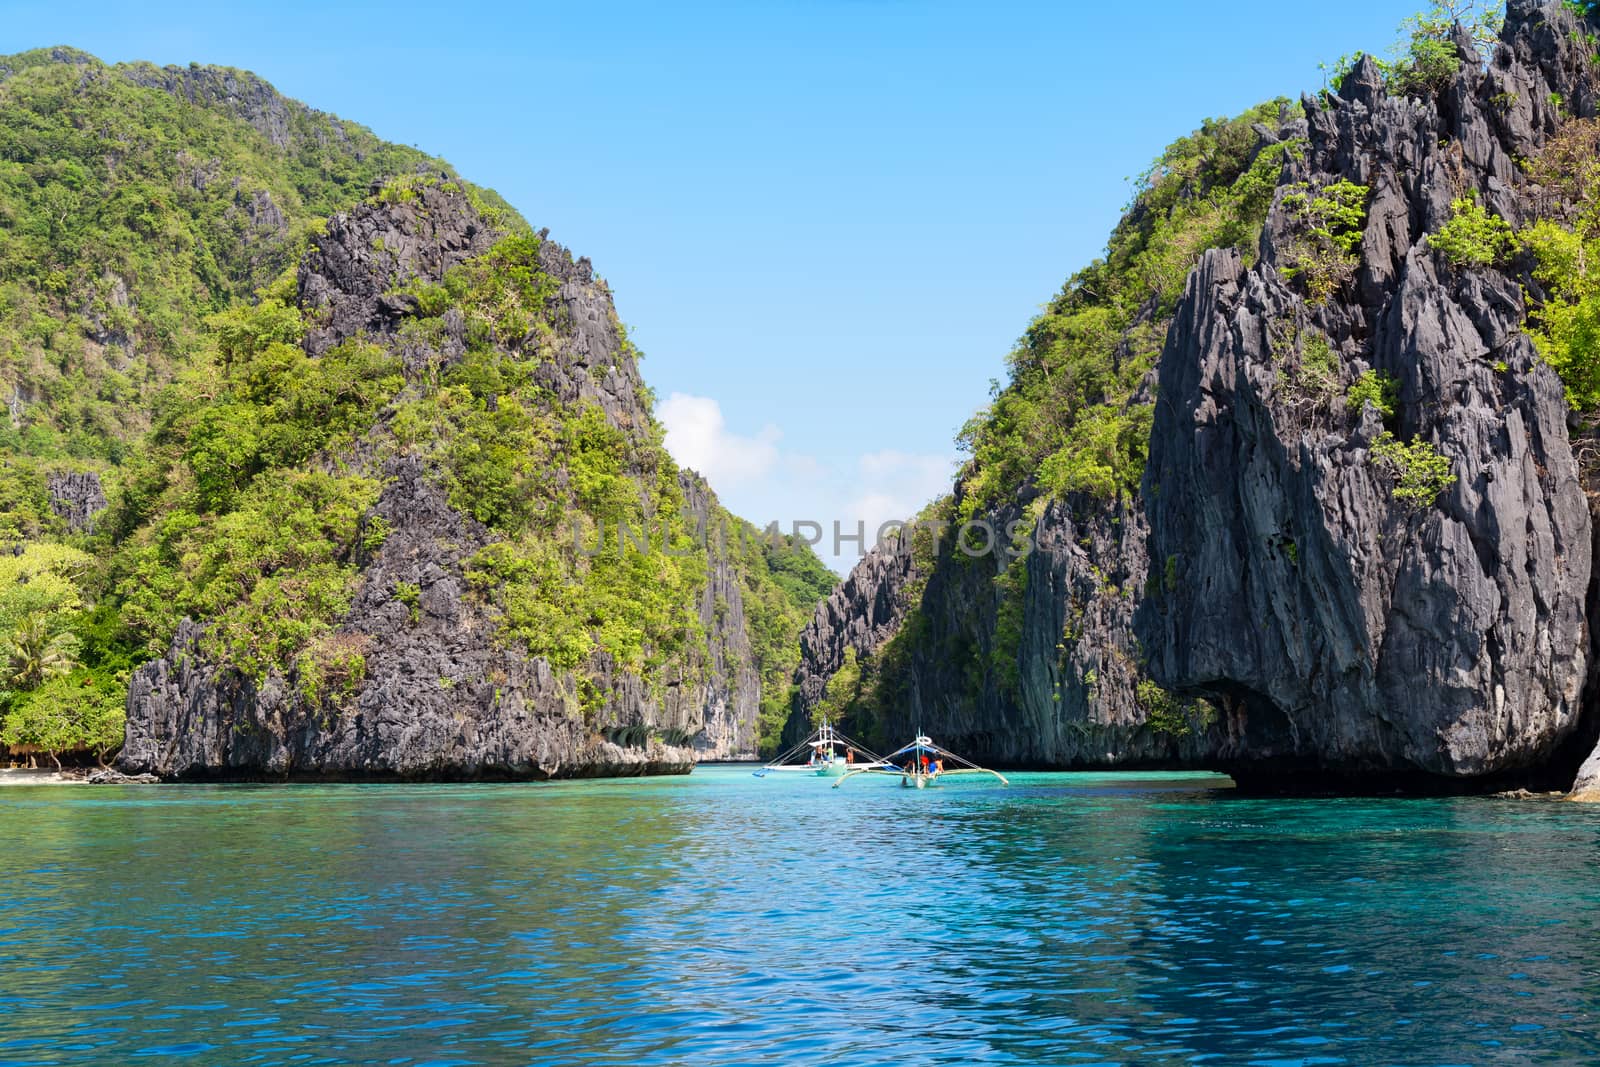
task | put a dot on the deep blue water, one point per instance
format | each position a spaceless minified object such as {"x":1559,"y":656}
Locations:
{"x":721,"y":919}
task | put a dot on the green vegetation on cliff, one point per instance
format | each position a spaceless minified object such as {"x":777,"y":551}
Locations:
{"x":153,"y":336}
{"x":1554,"y":253}
{"x":51,"y":699}
{"x":1424,"y":59}
{"x":128,"y":214}
{"x":1565,"y":242}
{"x":225,"y":525}
{"x":1474,"y":237}
{"x":783,"y":582}
{"x":1071,"y":424}
{"x":1326,"y":250}
{"x":1074,"y":417}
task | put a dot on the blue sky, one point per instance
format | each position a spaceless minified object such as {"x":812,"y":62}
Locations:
{"x":825,"y":222}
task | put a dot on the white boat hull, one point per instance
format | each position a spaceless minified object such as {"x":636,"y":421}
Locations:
{"x":836,"y":769}
{"x":825,"y":754}
{"x":908,"y":765}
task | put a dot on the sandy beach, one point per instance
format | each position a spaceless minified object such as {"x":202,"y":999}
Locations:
{"x":42,"y":777}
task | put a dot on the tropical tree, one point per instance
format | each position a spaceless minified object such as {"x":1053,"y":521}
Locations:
{"x":41,"y":605}
{"x":38,"y":651}
{"x":69,"y":712}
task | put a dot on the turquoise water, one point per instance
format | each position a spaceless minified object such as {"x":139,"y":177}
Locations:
{"x":721,"y":919}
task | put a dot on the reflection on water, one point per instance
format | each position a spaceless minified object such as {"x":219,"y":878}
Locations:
{"x":722,"y":919}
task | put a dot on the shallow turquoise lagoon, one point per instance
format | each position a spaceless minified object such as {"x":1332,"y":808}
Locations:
{"x":722,"y":919}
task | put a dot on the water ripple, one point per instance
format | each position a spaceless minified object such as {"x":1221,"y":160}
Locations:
{"x":1071,"y":919}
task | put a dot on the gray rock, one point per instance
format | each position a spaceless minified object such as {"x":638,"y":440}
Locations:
{"x":443,"y":697}
{"x":864,"y":612}
{"x":77,"y":498}
{"x":1265,"y":567}
{"x":1074,"y":702}
{"x":112,"y":293}
{"x":370,"y":251}
{"x":118,"y":778}
{"x":1441,"y":642}
{"x":232,"y":92}
{"x":264,"y":213}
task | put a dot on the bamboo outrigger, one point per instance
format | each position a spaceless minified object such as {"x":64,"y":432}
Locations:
{"x":823,"y":757}
{"x":924,"y":766}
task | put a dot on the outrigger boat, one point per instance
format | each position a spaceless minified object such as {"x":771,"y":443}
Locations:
{"x":924,"y":764}
{"x":826,"y":754}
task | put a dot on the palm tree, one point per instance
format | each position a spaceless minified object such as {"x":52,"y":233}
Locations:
{"x":37,"y":653}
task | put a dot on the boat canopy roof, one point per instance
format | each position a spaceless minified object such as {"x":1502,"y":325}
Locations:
{"x":921,"y":744}
{"x":924,"y":745}
{"x":823,"y":737}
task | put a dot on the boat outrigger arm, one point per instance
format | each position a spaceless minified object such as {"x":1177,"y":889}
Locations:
{"x":825,"y":753}
{"x":924,"y":764}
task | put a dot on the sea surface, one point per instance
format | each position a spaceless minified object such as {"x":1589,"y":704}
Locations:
{"x":725,"y":919}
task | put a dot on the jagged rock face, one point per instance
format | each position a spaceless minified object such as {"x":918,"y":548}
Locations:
{"x":77,"y":498}
{"x":1073,"y":702}
{"x":590,"y":364}
{"x":232,"y":92}
{"x":721,"y":713}
{"x":114,"y":293}
{"x":862,"y":614}
{"x":443,"y":697}
{"x":57,"y":55}
{"x":264,"y":214}
{"x":1350,"y":634}
{"x":367,"y":252}
{"x":1266,"y":565}
{"x":442,"y":700}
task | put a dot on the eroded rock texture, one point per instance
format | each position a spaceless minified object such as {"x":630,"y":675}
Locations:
{"x":1337,"y":635}
{"x":1054,"y":685}
{"x":77,"y":498}
{"x":1349,"y":633}
{"x":443,"y":696}
{"x":369,"y":252}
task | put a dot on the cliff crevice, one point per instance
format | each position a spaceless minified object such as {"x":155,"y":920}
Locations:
{"x":1361,"y":551}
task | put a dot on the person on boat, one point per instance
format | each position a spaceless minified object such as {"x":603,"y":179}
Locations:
{"x":938,"y":765}
{"x":849,"y":755}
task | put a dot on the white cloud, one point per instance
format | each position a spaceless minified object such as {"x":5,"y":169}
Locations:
{"x":895,"y":485}
{"x":885,"y":487}
{"x":928,"y":469}
{"x":803,"y":470}
{"x":698,"y":438}
{"x":762,"y":482}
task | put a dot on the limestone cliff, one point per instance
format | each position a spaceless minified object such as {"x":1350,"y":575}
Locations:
{"x":1353,"y":632}
{"x":339,"y":467}
{"x":1055,"y":684}
{"x":442,"y":693}
{"x":1266,"y":583}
